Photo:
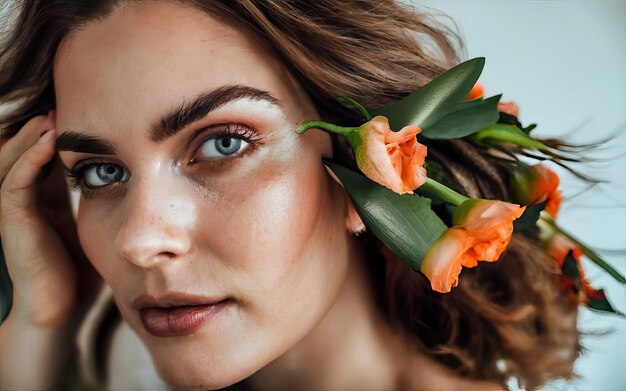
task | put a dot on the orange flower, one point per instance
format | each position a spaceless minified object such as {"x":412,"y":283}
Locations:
{"x":559,"y":247}
{"x":554,"y":203}
{"x":482,"y":230}
{"x":587,"y":292}
{"x":392,"y":159}
{"x":444,"y":260}
{"x":509,"y":107}
{"x":477,"y":92}
{"x":535,"y":184}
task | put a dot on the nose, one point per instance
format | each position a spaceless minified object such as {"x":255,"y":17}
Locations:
{"x":157,"y":225}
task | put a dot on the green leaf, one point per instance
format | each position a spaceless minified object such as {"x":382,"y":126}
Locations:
{"x":528,"y":219}
{"x":433,"y":101}
{"x":468,"y":118}
{"x":596,"y":299}
{"x":512,"y":120}
{"x":599,"y":302}
{"x":570,"y":269}
{"x":405,"y":223}
{"x":509,"y":119}
{"x":529,"y":128}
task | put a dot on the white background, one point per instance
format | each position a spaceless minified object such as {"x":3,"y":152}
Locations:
{"x":564,"y":62}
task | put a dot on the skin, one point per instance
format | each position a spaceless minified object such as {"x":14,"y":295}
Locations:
{"x":265,"y":228}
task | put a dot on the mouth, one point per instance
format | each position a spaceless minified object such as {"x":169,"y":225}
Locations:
{"x":176,"y":315}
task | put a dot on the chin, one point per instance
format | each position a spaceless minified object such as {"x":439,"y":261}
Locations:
{"x":205,"y":363}
{"x":194,"y":377}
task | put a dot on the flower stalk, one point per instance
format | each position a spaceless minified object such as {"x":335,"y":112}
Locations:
{"x":592,"y":255}
{"x":443,"y":192}
{"x":509,"y":134}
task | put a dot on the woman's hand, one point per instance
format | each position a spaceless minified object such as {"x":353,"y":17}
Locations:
{"x":38,"y":261}
{"x":44,"y":260}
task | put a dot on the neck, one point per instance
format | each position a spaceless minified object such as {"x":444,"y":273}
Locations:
{"x":351,"y":348}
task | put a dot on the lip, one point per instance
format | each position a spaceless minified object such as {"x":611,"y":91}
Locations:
{"x":177,"y":314}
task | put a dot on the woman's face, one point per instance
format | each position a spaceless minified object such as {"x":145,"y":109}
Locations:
{"x":215,"y":224}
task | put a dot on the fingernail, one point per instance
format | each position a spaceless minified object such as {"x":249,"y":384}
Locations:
{"x":47,"y":135}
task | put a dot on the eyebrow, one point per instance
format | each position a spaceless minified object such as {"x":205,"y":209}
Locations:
{"x":172,"y":123}
{"x":80,"y":142}
{"x":202,"y":105}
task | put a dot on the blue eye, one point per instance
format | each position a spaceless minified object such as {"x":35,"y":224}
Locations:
{"x":100,"y":175}
{"x":217,"y":148}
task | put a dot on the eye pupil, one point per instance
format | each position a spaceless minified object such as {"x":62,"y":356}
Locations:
{"x":109,"y":173}
{"x":228,"y":145}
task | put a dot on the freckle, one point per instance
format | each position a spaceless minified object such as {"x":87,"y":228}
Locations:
{"x":169,"y":231}
{"x":205,"y":194}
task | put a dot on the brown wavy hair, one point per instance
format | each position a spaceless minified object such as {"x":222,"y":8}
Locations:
{"x":506,"y":319}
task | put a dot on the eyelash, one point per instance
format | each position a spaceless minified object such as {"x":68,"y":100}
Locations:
{"x":229,"y":130}
{"x":76,"y":174}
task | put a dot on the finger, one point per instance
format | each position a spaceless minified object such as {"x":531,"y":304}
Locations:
{"x":14,"y":147}
{"x":18,"y":187}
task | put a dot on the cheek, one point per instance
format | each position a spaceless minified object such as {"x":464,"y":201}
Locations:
{"x":286,"y":253}
{"x":271,"y":235}
{"x":283,"y":241}
{"x":97,"y":241}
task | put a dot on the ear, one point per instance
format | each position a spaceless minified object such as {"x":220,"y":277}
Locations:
{"x":354,"y":223}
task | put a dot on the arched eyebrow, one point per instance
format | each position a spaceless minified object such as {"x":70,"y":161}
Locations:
{"x":172,"y":123}
{"x":202,"y":105}
{"x":80,"y":142}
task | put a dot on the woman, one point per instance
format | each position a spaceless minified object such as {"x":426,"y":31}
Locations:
{"x":229,"y":250}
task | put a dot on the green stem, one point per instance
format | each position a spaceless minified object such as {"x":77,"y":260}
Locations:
{"x":510,"y":134}
{"x":345,"y":131}
{"x":442,"y":191}
{"x":346,"y":100}
{"x":595,"y":258}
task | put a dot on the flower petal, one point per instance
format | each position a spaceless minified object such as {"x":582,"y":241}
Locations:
{"x":489,"y":224}
{"x":477,"y":92}
{"x":537,"y":183}
{"x":510,"y":108}
{"x":392,"y":159}
{"x":442,"y":264}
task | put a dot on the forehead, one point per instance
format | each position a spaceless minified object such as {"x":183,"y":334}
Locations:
{"x":143,"y":59}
